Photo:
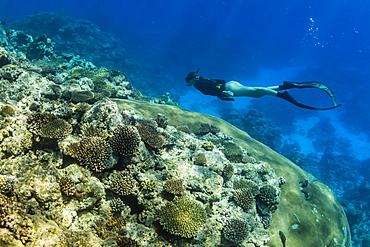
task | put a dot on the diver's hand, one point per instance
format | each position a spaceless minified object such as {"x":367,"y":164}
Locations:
{"x":228,"y":93}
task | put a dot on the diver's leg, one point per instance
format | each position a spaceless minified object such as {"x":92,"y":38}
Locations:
{"x":256,"y":92}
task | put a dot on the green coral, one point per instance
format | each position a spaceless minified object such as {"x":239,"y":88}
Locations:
{"x":183,"y":217}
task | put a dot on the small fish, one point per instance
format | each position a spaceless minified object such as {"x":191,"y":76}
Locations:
{"x":283,"y":238}
{"x":2,"y":23}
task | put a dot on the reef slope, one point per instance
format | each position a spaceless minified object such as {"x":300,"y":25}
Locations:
{"x":309,"y":213}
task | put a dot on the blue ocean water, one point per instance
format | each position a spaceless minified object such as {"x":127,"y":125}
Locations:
{"x":257,"y":43}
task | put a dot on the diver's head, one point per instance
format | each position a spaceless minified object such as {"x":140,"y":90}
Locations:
{"x":191,"y":77}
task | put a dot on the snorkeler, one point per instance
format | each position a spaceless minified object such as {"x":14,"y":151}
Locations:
{"x":226,"y":90}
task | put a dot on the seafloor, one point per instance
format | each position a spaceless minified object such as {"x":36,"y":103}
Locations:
{"x":87,"y":160}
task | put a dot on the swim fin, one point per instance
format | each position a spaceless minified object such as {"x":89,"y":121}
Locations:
{"x":310,"y":84}
{"x":286,"y":96}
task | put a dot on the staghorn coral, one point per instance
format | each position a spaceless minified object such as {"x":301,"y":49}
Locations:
{"x":175,"y":186}
{"x":67,"y":186}
{"x":268,"y":195}
{"x":125,"y":140}
{"x":246,"y":183}
{"x":149,"y":133}
{"x":233,"y":152}
{"x":92,"y":152}
{"x":182,"y":216}
{"x":123,"y":183}
{"x":236,"y":230}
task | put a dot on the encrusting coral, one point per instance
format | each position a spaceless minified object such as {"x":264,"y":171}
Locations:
{"x":182,"y":216}
{"x":92,"y":152}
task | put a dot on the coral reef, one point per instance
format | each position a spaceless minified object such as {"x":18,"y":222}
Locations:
{"x":86,"y":163}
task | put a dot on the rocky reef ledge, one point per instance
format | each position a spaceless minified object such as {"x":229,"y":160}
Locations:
{"x":87,"y":160}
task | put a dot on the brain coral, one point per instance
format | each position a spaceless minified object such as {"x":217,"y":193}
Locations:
{"x":182,"y":216}
{"x":125,"y":140}
{"x":92,"y":152}
{"x":236,"y":230}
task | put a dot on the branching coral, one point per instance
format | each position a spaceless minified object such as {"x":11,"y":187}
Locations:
{"x":123,"y":183}
{"x":244,"y":198}
{"x":236,"y":230}
{"x":152,"y":135}
{"x":125,"y":140}
{"x":49,"y":126}
{"x":183,"y":217}
{"x":67,"y":186}
{"x":92,"y":152}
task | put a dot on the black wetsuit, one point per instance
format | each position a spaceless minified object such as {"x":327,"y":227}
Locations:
{"x":214,"y":87}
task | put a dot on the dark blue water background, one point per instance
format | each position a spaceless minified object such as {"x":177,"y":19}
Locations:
{"x":258,"y":43}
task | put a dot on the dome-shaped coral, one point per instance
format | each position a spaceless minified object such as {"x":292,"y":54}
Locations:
{"x":125,"y":140}
{"x":183,"y":217}
{"x":93,"y":152}
{"x":236,"y":230}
